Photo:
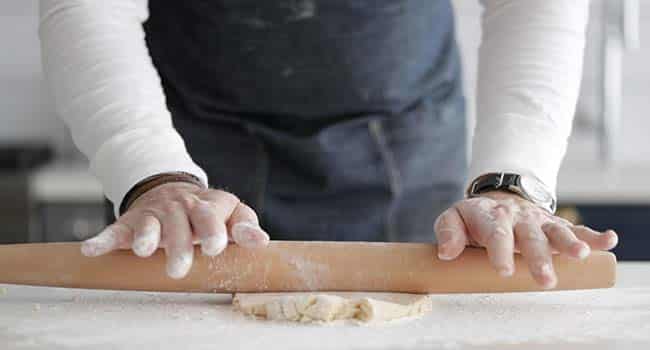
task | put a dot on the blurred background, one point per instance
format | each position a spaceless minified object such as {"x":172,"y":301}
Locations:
{"x":46,"y":193}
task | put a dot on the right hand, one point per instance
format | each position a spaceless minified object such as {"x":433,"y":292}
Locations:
{"x":176,"y":215}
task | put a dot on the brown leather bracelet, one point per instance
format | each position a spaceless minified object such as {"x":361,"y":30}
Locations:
{"x":153,"y":181}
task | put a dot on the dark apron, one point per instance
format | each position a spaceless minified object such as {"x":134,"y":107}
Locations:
{"x":333,"y":119}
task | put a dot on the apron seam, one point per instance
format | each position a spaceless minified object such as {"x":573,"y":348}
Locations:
{"x":378,"y":134}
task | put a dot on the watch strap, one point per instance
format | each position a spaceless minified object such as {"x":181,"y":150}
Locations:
{"x":508,"y":182}
{"x":154,"y":181}
{"x":492,"y":182}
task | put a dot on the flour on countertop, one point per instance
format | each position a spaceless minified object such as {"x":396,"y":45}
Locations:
{"x":81,"y":319}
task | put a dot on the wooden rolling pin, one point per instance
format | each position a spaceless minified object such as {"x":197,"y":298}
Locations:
{"x":293,"y":266}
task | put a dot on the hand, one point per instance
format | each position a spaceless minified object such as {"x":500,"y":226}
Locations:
{"x":175,"y":216}
{"x":505,"y":223}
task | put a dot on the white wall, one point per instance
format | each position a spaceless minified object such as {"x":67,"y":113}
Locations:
{"x":25,"y":113}
{"x":634,"y":142}
{"x":583,"y":150}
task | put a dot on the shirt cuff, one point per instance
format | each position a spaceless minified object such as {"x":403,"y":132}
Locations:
{"x":121,"y":165}
{"x":519,"y":145}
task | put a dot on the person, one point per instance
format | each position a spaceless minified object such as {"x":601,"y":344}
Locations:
{"x":321,"y":120}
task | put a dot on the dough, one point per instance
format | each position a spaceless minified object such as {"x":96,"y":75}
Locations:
{"x":328,"y":307}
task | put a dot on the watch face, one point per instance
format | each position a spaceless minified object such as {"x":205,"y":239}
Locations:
{"x":535,"y":189}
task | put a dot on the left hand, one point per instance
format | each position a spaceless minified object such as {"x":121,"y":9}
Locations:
{"x":505,"y":223}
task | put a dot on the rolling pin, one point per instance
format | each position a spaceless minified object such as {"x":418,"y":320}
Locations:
{"x":286,"y":266}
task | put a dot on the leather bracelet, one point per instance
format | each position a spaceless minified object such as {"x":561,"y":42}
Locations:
{"x":154,"y":181}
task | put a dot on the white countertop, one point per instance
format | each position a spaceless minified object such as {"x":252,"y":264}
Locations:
{"x":578,"y":184}
{"x":65,"y":181}
{"x":585,"y":183}
{"x":36,"y":318}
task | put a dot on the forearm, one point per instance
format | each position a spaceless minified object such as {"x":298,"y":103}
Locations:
{"x":530,"y":65}
{"x":108,"y":92}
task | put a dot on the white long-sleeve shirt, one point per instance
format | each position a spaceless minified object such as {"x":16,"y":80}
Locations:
{"x":108,"y":92}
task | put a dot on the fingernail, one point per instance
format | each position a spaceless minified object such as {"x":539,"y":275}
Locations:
{"x":549,"y":280}
{"x":213,"y":245}
{"x":444,"y":237}
{"x":612,"y":240}
{"x":144,"y":245}
{"x":583,"y":250}
{"x":179,"y":266}
{"x":549,"y":283}
{"x":88,"y":249}
{"x":443,"y":251}
{"x":249,"y":235}
{"x":506,"y":271}
{"x":546,"y":271}
{"x":100,"y":244}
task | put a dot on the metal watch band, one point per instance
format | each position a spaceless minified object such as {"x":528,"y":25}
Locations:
{"x":508,"y":182}
{"x":491,"y":182}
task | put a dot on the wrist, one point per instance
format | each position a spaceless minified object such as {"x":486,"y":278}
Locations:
{"x":499,"y":195}
{"x":525,"y":186}
{"x":154,"y":181}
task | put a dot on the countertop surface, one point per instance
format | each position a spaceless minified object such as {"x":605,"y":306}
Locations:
{"x":54,"y":318}
{"x":585,"y":183}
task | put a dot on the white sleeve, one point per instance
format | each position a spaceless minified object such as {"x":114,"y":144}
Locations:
{"x":108,"y":92}
{"x":530,"y":65}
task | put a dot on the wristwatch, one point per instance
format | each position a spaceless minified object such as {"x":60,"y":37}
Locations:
{"x":526,"y":186}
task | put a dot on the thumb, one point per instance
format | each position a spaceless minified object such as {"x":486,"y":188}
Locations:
{"x":451,"y":234}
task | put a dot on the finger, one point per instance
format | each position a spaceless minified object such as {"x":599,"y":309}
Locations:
{"x":490,"y":223}
{"x":596,"y":240}
{"x":451,"y":234}
{"x":225,"y":199}
{"x":177,"y":237}
{"x":146,"y":236}
{"x":242,"y":222}
{"x":115,"y":236}
{"x":535,"y":249}
{"x":209,"y":226}
{"x":565,"y":241}
{"x":244,"y":228}
{"x":500,"y":249}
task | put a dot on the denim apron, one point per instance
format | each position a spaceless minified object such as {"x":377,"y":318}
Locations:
{"x":333,"y":119}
